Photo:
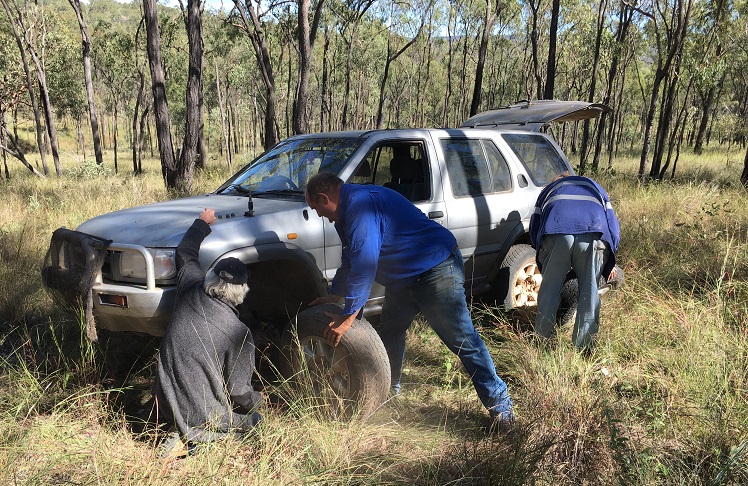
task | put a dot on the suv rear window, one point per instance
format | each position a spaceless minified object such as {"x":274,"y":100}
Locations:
{"x":538,"y":155}
{"x":475,"y":167}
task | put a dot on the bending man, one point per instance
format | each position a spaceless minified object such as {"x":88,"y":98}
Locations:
{"x":573,"y":227}
{"x":388,"y":240}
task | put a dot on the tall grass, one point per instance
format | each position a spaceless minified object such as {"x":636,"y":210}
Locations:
{"x":663,"y":399}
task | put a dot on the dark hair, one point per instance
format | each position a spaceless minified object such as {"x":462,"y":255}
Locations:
{"x":322,"y":183}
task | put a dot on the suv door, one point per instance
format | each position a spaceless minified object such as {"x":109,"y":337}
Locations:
{"x":405,"y":165}
{"x":482,"y":209}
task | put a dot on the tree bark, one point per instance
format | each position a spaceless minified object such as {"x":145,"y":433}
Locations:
{"x":550,"y":77}
{"x":193,"y":98}
{"x":88,"y":79}
{"x":744,"y":174}
{"x":160,"y":102}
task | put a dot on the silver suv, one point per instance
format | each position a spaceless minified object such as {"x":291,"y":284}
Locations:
{"x":479,"y":181}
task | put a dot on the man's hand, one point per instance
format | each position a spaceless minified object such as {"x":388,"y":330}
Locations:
{"x":327,"y":299}
{"x":612,"y":274}
{"x":208,"y":215}
{"x":339,"y":326}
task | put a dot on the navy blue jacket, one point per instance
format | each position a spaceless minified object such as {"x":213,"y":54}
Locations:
{"x":575,"y":205}
{"x":385,"y":239}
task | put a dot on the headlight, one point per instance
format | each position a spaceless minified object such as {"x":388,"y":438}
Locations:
{"x":132,"y":264}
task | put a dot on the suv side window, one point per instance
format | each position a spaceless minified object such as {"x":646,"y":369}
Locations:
{"x":475,"y":167}
{"x":502,"y":177}
{"x":538,"y":155}
{"x":401,"y":166}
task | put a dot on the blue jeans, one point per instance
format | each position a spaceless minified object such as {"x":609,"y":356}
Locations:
{"x":586,"y":254}
{"x":440,"y":295}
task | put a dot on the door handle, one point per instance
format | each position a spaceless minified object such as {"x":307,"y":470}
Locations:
{"x":436,"y":214}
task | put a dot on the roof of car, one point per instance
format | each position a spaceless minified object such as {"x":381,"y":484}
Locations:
{"x":534,"y":115}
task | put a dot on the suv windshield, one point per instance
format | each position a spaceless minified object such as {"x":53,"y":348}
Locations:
{"x":287,"y":167}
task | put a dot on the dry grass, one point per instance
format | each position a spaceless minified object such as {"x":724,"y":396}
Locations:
{"x":662,"y":400}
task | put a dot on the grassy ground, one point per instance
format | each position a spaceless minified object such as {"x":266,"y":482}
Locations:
{"x":662,"y":400}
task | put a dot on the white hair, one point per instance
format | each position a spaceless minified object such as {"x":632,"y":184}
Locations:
{"x":230,"y":293}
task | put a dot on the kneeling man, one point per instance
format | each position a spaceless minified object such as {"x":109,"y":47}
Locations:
{"x":207,"y":355}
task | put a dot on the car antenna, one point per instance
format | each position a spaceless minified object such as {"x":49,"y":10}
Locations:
{"x":250,"y":205}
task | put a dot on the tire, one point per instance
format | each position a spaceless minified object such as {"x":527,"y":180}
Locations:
{"x":519,"y":278}
{"x":350,"y":379}
{"x":567,"y":309}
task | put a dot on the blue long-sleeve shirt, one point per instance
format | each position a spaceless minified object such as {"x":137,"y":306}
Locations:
{"x":575,"y":205}
{"x":385,"y":239}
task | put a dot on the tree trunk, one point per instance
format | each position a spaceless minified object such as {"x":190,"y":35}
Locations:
{"x":593,"y":84}
{"x":136,"y":148}
{"x":160,"y":102}
{"x":16,"y":25}
{"x":14,"y":148}
{"x":489,"y":20}
{"x":222,"y":112}
{"x":744,"y":174}
{"x":256,"y":33}
{"x":86,"y":48}
{"x":324,"y":109}
{"x":194,"y":98}
{"x":534,"y":36}
{"x":550,"y":77}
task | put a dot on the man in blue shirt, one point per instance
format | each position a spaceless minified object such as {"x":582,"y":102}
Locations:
{"x":388,"y":240}
{"x":573,"y":227}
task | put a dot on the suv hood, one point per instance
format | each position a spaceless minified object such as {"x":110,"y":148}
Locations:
{"x":534,"y":115}
{"x":163,"y":224}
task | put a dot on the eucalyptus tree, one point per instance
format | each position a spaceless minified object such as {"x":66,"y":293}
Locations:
{"x":114,"y":60}
{"x":668,"y":26}
{"x":12,"y":92}
{"x":307,"y":34}
{"x":709,"y":41}
{"x":25,"y":41}
{"x":534,"y":38}
{"x":550,"y":76}
{"x":492,"y":12}
{"x":350,"y":14}
{"x":249,"y":17}
{"x":618,"y":47}
{"x":406,"y":18}
{"x":88,"y":80}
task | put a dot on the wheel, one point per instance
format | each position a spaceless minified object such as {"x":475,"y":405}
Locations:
{"x":567,"y":308}
{"x":519,"y":278}
{"x":353,"y":377}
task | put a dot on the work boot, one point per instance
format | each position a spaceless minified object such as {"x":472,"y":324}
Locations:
{"x":172,"y":447}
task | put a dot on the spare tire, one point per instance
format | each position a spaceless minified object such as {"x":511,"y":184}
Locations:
{"x":349,"y":379}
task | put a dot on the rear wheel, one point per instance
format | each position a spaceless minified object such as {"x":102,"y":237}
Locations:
{"x":353,"y":377}
{"x":519,"y":278}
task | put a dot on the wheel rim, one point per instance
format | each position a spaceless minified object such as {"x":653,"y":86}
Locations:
{"x":328,"y":367}
{"x":526,"y":286}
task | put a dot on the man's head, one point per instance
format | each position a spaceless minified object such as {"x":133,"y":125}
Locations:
{"x":323,"y":195}
{"x":227,"y":281}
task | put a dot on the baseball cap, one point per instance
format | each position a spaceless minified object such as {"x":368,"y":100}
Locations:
{"x":232,"y":270}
